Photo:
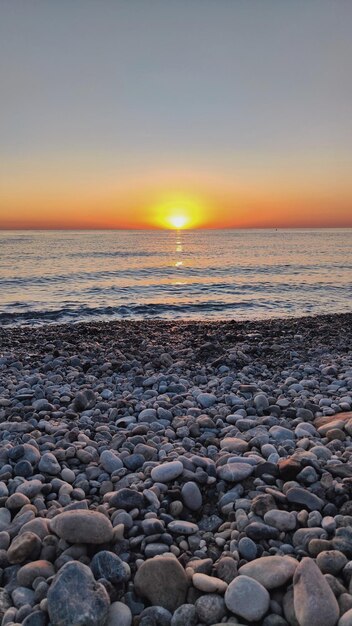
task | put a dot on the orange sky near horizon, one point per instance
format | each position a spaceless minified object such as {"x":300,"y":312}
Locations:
{"x":35,"y":198}
{"x":238,"y":212}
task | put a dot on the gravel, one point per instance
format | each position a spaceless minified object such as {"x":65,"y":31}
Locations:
{"x":176,"y":473}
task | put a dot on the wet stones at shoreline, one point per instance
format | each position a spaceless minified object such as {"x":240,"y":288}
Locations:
{"x":185,"y":467}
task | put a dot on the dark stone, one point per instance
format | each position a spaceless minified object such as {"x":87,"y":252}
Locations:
{"x":135,"y":606}
{"x":5,"y":602}
{"x":340,"y":470}
{"x":289,"y":468}
{"x":37,"y":618}
{"x":108,"y":565}
{"x":266,"y":468}
{"x":76,"y":598}
{"x":258,"y":531}
{"x":134,"y":462}
{"x":127,"y":499}
{"x":210,"y":608}
{"x":343,"y":541}
{"x":84,"y":400}
{"x":153,"y":526}
{"x":155,"y":616}
{"x":263,"y":503}
{"x":303,"y":497}
{"x":210,"y":524}
{"x":247,"y":548}
{"x":23,"y":468}
{"x":16,"y":452}
{"x":185,"y":614}
{"x":274,"y":620}
{"x":226,"y":569}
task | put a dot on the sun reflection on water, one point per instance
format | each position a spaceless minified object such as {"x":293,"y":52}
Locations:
{"x":178,"y":262}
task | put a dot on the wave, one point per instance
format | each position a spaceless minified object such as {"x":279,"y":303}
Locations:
{"x":132,"y":310}
{"x":171,"y":271}
{"x":117,"y":253}
{"x":72,"y":277}
{"x":195,"y":288}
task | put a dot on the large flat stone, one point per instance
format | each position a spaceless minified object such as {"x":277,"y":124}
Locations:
{"x":314,"y":601}
{"x":270,"y":571}
{"x":162,"y":581}
{"x":79,"y":526}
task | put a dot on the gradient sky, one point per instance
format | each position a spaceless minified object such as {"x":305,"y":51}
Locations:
{"x":110,"y":108}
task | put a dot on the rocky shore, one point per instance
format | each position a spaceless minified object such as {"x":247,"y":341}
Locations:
{"x":176,"y":473}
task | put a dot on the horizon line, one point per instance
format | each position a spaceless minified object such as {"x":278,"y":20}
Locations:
{"x":107,"y":228}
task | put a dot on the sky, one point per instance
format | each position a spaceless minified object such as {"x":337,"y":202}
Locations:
{"x":122,"y":113}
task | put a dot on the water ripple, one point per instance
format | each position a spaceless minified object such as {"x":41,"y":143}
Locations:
{"x":50,"y":277}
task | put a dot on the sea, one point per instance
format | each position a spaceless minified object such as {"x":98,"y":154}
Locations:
{"x":72,"y":276}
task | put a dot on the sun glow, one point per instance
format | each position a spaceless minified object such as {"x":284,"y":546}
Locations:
{"x":178,"y":213}
{"x":178,"y":220}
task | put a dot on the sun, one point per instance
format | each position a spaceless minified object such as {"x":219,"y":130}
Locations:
{"x":178,"y":212}
{"x":178,"y":220}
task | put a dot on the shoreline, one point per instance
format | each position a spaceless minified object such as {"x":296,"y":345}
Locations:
{"x":331,"y":329}
{"x":169,"y":467}
{"x":159,"y":321}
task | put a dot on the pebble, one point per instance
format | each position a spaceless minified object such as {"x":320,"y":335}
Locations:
{"x":109,"y":566}
{"x":191,"y":496}
{"x":261,"y":402}
{"x":171,"y":460}
{"x":185,"y":614}
{"x":110,"y":462}
{"x":36,"y":569}
{"x":206,"y":400}
{"x":49,"y":464}
{"x":119,"y":615}
{"x":181,"y":527}
{"x":331,"y":561}
{"x":82,"y":527}
{"x":226,"y":568}
{"x":235,"y":472}
{"x":155,"y":615}
{"x":5,"y":602}
{"x":314,"y":602}
{"x":167,"y":471}
{"x":210,"y":608}
{"x":247,"y":598}
{"x":234,"y":444}
{"x":346,"y":619}
{"x":270,"y":571}
{"x":127,"y":499}
{"x":37,"y":618}
{"x":162,"y":581}
{"x":210,"y":584}
{"x":24,"y":546}
{"x":258,"y":531}
{"x":282,"y":520}
{"x":298,"y":495}
{"x":76,"y":598}
{"x":21,"y":596}
{"x":247,"y":548}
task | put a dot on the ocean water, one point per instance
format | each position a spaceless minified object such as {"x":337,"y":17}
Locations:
{"x":68,"y":276}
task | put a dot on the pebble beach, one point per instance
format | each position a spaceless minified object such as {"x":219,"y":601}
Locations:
{"x":176,"y":473}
